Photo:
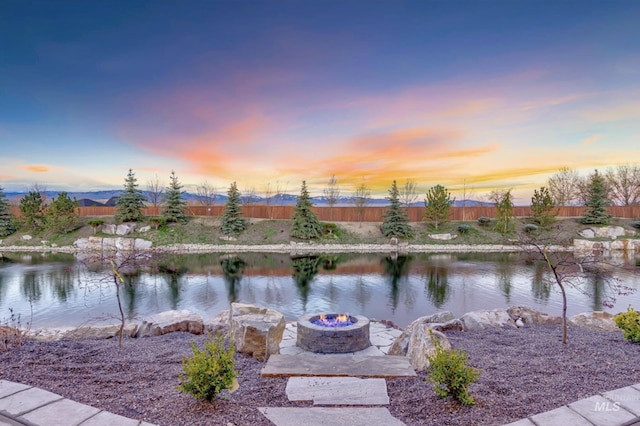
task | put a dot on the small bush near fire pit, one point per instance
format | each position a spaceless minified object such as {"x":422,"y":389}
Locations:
{"x":209,"y":371}
{"x":450,"y":374}
{"x":629,"y":322}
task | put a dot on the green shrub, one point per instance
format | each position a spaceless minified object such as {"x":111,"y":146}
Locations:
{"x":329,"y":228}
{"x":209,"y":371}
{"x":484,"y":221}
{"x":629,"y":322}
{"x":158,"y":221}
{"x":530,"y":227}
{"x":450,"y":374}
{"x":464,"y":228}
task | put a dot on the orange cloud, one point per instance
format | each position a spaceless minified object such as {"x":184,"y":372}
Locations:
{"x":37,"y":168}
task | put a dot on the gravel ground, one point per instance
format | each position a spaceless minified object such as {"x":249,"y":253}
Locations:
{"x":524,"y":371}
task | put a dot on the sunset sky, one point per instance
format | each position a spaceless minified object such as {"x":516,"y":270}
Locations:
{"x":483,"y":94}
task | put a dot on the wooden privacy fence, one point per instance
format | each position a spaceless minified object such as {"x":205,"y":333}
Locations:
{"x":353,"y":214}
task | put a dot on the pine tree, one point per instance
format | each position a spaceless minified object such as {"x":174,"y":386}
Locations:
{"x":305,"y":225}
{"x":438,"y":203}
{"x":232,"y":221}
{"x":174,"y":205}
{"x":7,"y":226}
{"x":130,"y":204}
{"x":597,"y":201}
{"x":396,"y":221}
{"x":61,"y":215}
{"x":543,"y":208}
{"x":32,"y":209}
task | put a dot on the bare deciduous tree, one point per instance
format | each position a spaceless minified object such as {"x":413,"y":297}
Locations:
{"x":571,"y":269}
{"x":331,"y":194}
{"x":155,"y":191}
{"x":361,"y":199}
{"x":268,"y":194}
{"x":564,"y":187}
{"x":624,"y":184}
{"x":249,"y":196}
{"x":408,"y":193}
{"x":206,"y":193}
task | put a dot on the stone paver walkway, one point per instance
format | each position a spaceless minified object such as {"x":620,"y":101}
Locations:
{"x":25,"y":405}
{"x":620,"y":407}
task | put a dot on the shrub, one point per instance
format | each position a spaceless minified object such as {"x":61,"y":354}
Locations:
{"x":636,"y":224}
{"x":530,"y":227}
{"x":157,"y":221}
{"x":329,"y":228}
{"x":464,"y":228}
{"x":209,"y":371}
{"x":450,"y":374}
{"x":629,"y":322}
{"x":95,"y":224}
{"x":484,"y":221}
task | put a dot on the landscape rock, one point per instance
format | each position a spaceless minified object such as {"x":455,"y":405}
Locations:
{"x":401,"y":345}
{"x":219,"y":322}
{"x":257,"y":331}
{"x":453,"y":325}
{"x":125,"y":228}
{"x":421,"y":345}
{"x":26,"y":237}
{"x":442,"y":236}
{"x":479,"y":320}
{"x":170,"y":321}
{"x":596,"y":321}
{"x":109,"y":228}
{"x":530,"y":316}
{"x":101,"y":332}
{"x":587,"y":233}
{"x":99,"y":244}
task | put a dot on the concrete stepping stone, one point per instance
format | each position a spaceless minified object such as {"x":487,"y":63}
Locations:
{"x":310,"y":364}
{"x":323,"y":416}
{"x":628,"y":398}
{"x":338,"y":390}
{"x":601,"y":411}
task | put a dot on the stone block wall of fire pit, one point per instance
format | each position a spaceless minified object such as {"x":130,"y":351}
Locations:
{"x":333,"y":340}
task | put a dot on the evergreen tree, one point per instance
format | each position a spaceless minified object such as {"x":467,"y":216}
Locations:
{"x":505,"y":220}
{"x":597,"y":201}
{"x":174,"y":205}
{"x":7,"y":226}
{"x":438,"y":203}
{"x":232,"y":221}
{"x":305,"y":225}
{"x":32,"y":209}
{"x":396,"y":221}
{"x":543,"y":208}
{"x":130,"y":204}
{"x":62,"y":216}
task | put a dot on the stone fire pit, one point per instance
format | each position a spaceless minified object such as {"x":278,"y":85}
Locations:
{"x":333,"y":340}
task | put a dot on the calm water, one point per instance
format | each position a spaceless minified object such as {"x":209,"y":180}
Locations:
{"x":63,"y":292}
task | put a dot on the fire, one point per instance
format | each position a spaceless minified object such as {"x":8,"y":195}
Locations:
{"x":336,"y":320}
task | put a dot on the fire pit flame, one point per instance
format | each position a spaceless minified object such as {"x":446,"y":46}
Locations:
{"x":337,"y":320}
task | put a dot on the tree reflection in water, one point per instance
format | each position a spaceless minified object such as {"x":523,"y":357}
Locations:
{"x":438,"y":290}
{"x":396,"y":267}
{"x":232,"y":271}
{"x":305,"y":269}
{"x":541,"y":285}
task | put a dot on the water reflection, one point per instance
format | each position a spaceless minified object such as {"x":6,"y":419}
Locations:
{"x":395,"y":287}
{"x":232,"y":270}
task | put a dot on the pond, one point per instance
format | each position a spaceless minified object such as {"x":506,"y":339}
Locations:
{"x":57,"y":290}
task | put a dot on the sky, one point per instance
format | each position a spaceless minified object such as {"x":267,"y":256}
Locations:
{"x":473,"y":95}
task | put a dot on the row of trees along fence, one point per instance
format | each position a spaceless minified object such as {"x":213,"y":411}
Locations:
{"x":355,"y":214}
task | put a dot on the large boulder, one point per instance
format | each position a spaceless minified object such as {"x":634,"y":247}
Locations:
{"x":125,"y":228}
{"x":479,"y":320}
{"x":419,"y":344}
{"x":401,"y":345}
{"x":531,"y":316}
{"x":101,"y":332}
{"x":257,"y":331}
{"x":170,"y":321}
{"x":597,"y":321}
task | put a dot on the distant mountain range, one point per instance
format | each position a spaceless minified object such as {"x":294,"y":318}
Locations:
{"x":108,"y":197}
